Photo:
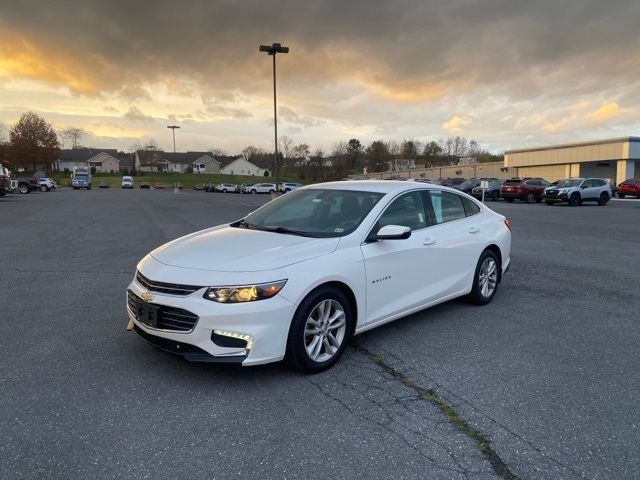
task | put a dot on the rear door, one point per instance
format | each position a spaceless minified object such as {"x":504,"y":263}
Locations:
{"x":459,"y":233}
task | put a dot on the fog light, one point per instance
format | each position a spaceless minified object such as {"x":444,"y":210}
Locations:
{"x":238,"y":336}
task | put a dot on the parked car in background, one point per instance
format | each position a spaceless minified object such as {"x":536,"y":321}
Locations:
{"x":492,"y":192}
{"x":27,"y":185}
{"x":158,"y":186}
{"x":127,"y":182}
{"x":198,"y":186}
{"x":81,"y":178}
{"x":451,"y":182}
{"x":209,"y":187}
{"x":145,"y":185}
{"x":47,"y":184}
{"x":282,"y":281}
{"x":262,"y":188}
{"x":177,"y":185}
{"x":526,"y":189}
{"x":468,"y":186}
{"x":630,"y":187}
{"x":288,"y":186}
{"x":245,"y":187}
{"x":226,"y":188}
{"x":5,"y":181}
{"x":576,"y":191}
{"x":103,"y":185}
{"x":421,"y":180}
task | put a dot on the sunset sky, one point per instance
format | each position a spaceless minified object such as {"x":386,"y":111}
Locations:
{"x":506,"y":72}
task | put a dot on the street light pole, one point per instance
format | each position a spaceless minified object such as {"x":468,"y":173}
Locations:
{"x":273,"y":50}
{"x":173,"y":128}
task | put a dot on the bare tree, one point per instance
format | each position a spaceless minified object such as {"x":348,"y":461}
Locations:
{"x":72,"y":135}
{"x":149,"y":144}
{"x":251,"y":151}
{"x":217,"y":152}
{"x":286,"y":146}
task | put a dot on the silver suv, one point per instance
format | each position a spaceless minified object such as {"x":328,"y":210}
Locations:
{"x":575,"y":191}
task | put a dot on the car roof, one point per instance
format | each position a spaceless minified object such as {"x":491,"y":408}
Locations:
{"x":380,"y":186}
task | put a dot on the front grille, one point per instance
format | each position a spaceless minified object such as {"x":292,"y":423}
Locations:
{"x":161,"y":287}
{"x":552,"y":193}
{"x":160,"y":316}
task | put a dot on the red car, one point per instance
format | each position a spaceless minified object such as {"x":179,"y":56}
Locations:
{"x":158,"y":186}
{"x":630,"y":186}
{"x":527,"y":189}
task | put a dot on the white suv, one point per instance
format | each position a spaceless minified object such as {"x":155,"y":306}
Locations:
{"x":575,"y":191}
{"x":262,"y":188}
{"x":288,"y":186}
{"x":47,"y":184}
{"x":127,"y":182}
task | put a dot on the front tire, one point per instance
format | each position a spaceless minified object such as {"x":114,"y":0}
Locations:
{"x":574,"y":200}
{"x":320,"y":330}
{"x":494,"y":196}
{"x":24,"y":189}
{"x":253,"y":191}
{"x":530,"y":198}
{"x":43,"y":188}
{"x":485,"y":280}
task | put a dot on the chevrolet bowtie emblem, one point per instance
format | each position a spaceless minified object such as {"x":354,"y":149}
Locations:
{"x":146,"y":296}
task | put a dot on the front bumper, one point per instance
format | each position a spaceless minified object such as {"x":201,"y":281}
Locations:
{"x":266,"y":322}
{"x":561,"y":197}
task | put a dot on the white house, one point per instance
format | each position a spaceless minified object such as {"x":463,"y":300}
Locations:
{"x":240,"y":166}
{"x":178,"y":162}
{"x":104,"y":160}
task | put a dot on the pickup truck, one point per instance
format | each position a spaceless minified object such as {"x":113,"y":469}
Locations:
{"x":28,"y":185}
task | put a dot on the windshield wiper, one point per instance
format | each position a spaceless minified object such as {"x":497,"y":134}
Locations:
{"x":241,"y":224}
{"x":287,"y":231}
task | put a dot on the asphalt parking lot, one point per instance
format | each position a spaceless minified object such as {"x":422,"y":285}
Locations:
{"x":541,"y":384}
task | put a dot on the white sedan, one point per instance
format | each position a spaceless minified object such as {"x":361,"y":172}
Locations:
{"x":301,"y":275}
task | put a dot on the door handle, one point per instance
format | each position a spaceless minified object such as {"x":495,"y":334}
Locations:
{"x":429,"y":241}
{"x":474,"y":230}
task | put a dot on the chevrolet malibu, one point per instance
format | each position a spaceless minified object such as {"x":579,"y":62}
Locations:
{"x":297,"y":278}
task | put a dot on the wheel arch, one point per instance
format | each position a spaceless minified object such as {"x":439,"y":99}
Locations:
{"x":492,"y":247}
{"x":346,"y":290}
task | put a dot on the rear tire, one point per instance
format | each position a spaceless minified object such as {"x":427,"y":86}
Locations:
{"x":603,"y":200}
{"x":24,"y":189}
{"x":253,"y":191}
{"x":574,"y":200}
{"x":43,"y":188}
{"x":312,"y":327}
{"x":485,"y":279}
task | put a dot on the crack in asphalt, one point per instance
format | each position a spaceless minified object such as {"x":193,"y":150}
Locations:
{"x":486,"y":415}
{"x":498,"y":465}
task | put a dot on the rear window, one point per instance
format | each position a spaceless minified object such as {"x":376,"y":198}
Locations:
{"x":470,"y":207}
{"x":513,"y":181}
{"x":631,"y":182}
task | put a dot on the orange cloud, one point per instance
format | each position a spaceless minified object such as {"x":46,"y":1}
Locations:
{"x":455,"y":124}
{"x":607,"y":111}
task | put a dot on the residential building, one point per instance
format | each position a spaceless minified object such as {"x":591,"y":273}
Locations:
{"x":241,"y":166}
{"x":179,"y":162}
{"x":103,"y":160}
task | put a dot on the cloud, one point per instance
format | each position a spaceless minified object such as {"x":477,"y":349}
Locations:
{"x":606,"y":112}
{"x":455,"y":124}
{"x":291,"y":116}
{"x":135,"y":114}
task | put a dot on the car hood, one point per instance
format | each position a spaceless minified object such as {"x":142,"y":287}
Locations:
{"x":230,"y":249}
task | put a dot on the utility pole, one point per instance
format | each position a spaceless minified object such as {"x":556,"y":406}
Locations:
{"x":173,"y":128}
{"x":273,"y":50}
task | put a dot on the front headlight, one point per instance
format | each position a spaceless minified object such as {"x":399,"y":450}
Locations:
{"x":244,"y":293}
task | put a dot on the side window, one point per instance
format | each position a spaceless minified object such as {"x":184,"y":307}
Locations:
{"x":600,"y":183}
{"x":447,"y":206}
{"x":406,"y":210}
{"x":587,"y":184}
{"x":470,"y":207}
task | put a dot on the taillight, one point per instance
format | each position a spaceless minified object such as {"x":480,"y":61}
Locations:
{"x":508,"y":224}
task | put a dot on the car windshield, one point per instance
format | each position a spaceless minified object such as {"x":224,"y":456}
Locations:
{"x":81,"y":177}
{"x":318,"y":213}
{"x":570,"y":183}
{"x":127,"y":179}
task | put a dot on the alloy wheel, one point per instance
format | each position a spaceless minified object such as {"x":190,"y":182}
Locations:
{"x":488,"y":277}
{"x":324,"y":330}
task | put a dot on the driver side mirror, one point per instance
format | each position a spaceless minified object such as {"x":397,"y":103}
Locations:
{"x":393,"y":232}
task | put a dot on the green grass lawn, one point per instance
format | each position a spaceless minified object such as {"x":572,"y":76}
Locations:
{"x":188,"y":180}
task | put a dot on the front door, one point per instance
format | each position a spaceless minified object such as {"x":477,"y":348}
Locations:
{"x":397,"y":271}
